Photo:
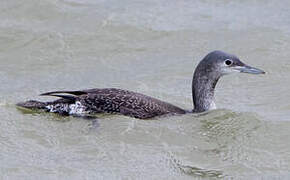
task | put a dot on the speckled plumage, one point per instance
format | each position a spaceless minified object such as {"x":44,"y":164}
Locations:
{"x":109,"y":100}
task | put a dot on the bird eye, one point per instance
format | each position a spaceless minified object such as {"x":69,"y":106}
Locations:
{"x":228,"y":62}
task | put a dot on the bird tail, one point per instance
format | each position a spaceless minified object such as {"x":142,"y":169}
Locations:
{"x":60,"y":106}
{"x":31,"y":104}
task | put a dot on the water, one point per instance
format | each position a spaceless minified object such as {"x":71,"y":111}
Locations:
{"x":151,"y":47}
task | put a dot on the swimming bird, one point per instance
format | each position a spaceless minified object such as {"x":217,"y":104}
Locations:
{"x":111,"y":100}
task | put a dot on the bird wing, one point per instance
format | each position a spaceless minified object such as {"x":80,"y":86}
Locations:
{"x":87,"y":91}
{"x":113,"y":100}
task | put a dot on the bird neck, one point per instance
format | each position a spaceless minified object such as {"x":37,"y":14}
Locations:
{"x":203,"y":86}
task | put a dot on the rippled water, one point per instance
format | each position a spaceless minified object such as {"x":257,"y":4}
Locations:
{"x":151,"y":47}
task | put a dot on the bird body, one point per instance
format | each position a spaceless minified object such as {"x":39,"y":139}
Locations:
{"x":108,"y":100}
{"x":133,"y":104}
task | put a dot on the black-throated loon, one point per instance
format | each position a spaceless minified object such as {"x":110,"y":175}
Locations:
{"x":110,"y":100}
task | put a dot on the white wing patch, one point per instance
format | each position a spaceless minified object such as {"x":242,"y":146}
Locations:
{"x":73,"y":109}
{"x":77,"y":108}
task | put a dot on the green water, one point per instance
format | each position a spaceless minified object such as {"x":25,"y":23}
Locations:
{"x":150,"y":47}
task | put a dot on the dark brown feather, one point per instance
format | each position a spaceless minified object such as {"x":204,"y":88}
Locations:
{"x":111,"y":100}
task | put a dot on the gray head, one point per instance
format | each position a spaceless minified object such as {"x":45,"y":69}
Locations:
{"x":213,"y":66}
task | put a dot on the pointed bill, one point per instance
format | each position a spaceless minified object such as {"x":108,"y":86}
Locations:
{"x":249,"y":69}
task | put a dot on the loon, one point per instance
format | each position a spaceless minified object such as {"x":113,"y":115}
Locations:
{"x":117,"y":101}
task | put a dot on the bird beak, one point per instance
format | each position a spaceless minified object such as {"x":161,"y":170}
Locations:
{"x":249,"y":69}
